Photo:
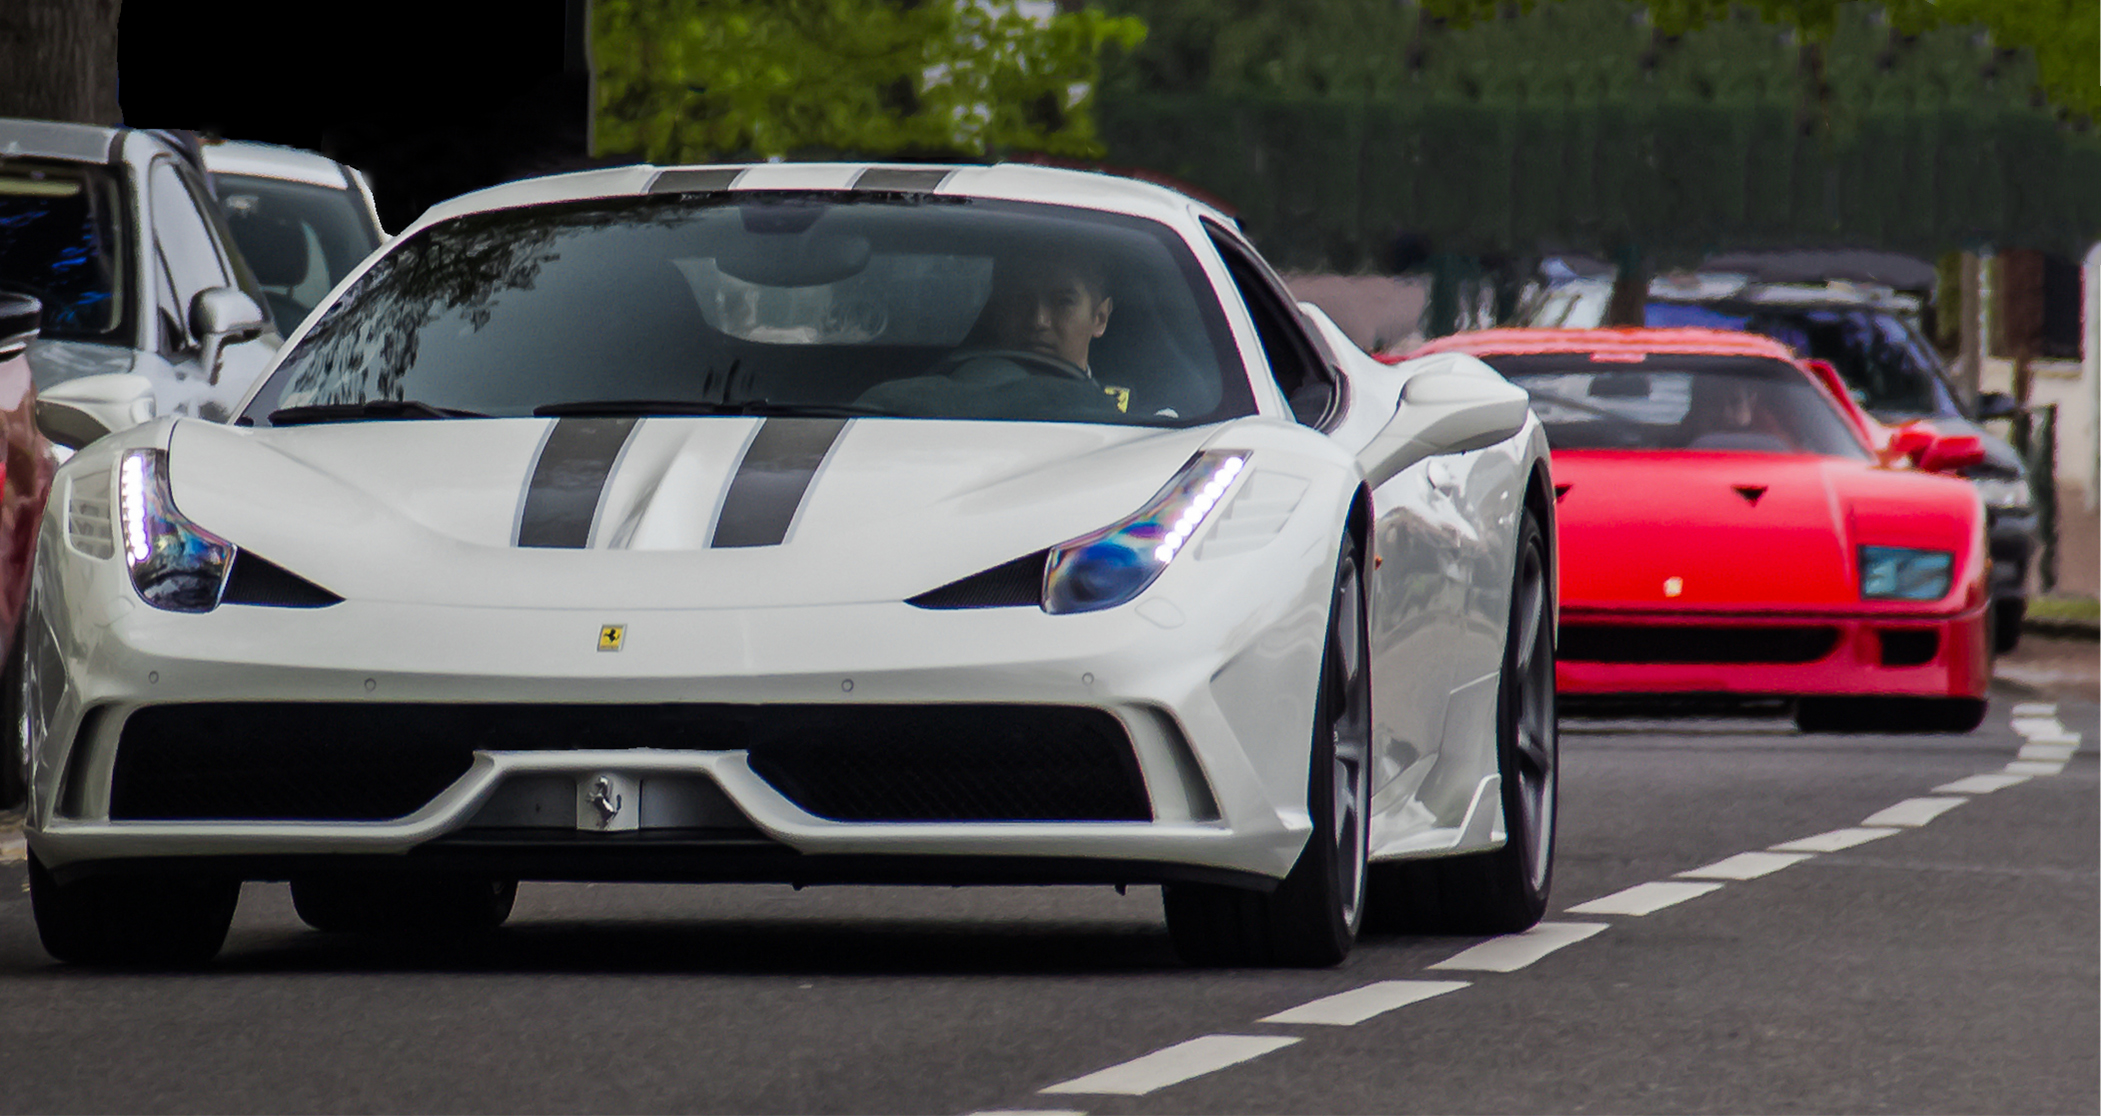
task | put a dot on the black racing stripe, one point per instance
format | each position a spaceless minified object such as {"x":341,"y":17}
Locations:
{"x":562,"y":497}
{"x":903,"y":180}
{"x":772,"y":478}
{"x":694,"y":181}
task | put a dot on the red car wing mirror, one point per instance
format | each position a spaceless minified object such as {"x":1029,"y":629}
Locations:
{"x":1952,"y":453}
{"x":1911,"y":440}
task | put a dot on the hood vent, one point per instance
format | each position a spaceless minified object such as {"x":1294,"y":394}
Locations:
{"x":1009,"y":585}
{"x":1750,"y":492}
{"x":88,"y":524}
{"x":259,"y":581}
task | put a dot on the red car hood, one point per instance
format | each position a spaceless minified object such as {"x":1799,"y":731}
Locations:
{"x":1692,"y":531}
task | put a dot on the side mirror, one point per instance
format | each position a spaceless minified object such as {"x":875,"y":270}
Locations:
{"x":1910,"y":440}
{"x":20,"y":318}
{"x":1446,"y":410}
{"x":1952,"y":453}
{"x":1997,"y":405}
{"x":77,"y":412}
{"x":220,"y":316}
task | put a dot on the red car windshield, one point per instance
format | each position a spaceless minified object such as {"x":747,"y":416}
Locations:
{"x":1672,"y":402}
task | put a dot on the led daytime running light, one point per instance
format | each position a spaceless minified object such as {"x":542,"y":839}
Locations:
{"x":1113,"y":565}
{"x":174,"y":564}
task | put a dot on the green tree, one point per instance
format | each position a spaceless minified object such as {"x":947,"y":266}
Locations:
{"x":692,"y":80}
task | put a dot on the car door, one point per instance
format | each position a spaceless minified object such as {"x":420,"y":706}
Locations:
{"x":1416,"y":572}
{"x":186,"y":256}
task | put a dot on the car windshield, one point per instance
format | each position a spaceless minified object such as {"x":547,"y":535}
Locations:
{"x":1887,"y":366}
{"x":299,"y":239}
{"x":878,"y":304}
{"x":1671,"y":402}
{"x":61,"y":239}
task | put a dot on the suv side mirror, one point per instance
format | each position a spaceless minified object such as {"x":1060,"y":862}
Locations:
{"x":1997,"y":405}
{"x":77,"y":412}
{"x":220,"y":316}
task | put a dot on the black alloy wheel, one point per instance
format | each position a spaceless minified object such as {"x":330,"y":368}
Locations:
{"x":1312,"y":918}
{"x":1503,"y":890}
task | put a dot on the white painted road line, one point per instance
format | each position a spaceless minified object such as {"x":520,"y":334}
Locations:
{"x":2048,"y":753}
{"x":1980,"y":784}
{"x":2035,"y":709}
{"x":2033,"y":767}
{"x":1174,"y":1064}
{"x":1745,"y":866}
{"x":1644,"y":899}
{"x":1912,"y":811}
{"x":2038,"y":726}
{"x":1347,"y":1009}
{"x":1835,"y":840}
{"x":1512,"y":952}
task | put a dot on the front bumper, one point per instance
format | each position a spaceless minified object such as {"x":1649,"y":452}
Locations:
{"x":1771,"y":654}
{"x":1217,"y":711}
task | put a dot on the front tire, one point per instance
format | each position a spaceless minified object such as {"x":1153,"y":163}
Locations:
{"x":131,"y":919}
{"x":1889,"y":715}
{"x":1504,"y":890}
{"x":2006,"y":624}
{"x":403,"y":904}
{"x":1311,"y":919}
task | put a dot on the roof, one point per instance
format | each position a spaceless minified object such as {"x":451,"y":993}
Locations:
{"x":269,"y":160}
{"x":1623,"y":341}
{"x":82,"y":143}
{"x":1006,"y":181}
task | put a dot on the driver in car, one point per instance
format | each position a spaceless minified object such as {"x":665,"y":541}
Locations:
{"x":1030,"y":351}
{"x":1732,"y":413}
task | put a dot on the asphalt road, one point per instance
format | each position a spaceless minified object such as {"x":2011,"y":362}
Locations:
{"x":1949,"y":964}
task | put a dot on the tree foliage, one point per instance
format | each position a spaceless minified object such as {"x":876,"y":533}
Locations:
{"x":692,"y":80}
{"x":2063,"y":37}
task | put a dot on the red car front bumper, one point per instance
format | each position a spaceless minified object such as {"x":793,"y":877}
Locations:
{"x":1775,"y":654}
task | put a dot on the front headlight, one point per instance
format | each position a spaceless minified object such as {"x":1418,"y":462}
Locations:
{"x":1896,"y":573}
{"x":2003,"y":493}
{"x":1110,"y":566}
{"x":175,"y":564}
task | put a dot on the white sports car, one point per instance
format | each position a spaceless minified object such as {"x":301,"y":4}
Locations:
{"x":804,"y":523}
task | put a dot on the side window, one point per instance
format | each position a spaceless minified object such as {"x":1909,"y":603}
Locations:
{"x":1299,"y":365}
{"x":182,"y":240}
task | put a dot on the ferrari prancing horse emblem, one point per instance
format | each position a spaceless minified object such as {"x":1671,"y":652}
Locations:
{"x":611,"y":636}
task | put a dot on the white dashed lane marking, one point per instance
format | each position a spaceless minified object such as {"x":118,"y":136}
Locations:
{"x":1835,"y":840}
{"x":1174,"y":1064}
{"x":1646,"y":898}
{"x":1745,"y":866}
{"x":1913,"y":811}
{"x":2033,"y":767}
{"x":2038,"y":749}
{"x":1981,"y":784}
{"x":1347,"y":1009}
{"x":1512,"y":952}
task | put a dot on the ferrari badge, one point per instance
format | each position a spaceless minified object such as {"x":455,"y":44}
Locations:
{"x":611,"y":636}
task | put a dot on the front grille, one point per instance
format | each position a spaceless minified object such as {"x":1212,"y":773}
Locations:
{"x":331,"y":761}
{"x":1694,"y":643}
{"x":1909,"y":646}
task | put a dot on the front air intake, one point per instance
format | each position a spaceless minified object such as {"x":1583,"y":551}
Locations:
{"x":256,"y":580}
{"x":1009,"y":585}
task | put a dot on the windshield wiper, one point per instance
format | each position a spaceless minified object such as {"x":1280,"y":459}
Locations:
{"x":760,"y":407}
{"x":369,"y":409}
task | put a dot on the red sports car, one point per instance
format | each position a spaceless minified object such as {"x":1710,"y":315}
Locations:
{"x":1732,"y":523}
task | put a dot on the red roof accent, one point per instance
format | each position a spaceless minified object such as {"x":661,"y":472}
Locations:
{"x":1612,"y":342}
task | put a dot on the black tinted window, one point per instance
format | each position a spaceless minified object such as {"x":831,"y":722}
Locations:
{"x":946,"y":308}
{"x":1669,"y":402}
{"x":299,"y":239}
{"x":61,"y":240}
{"x":1887,"y":366}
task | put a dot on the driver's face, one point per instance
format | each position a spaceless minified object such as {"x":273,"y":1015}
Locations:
{"x":1049,"y":309}
{"x":1735,"y":405}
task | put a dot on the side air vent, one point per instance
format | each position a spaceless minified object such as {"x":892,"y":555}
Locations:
{"x":259,"y":581}
{"x":89,"y":527}
{"x":1013,"y":584}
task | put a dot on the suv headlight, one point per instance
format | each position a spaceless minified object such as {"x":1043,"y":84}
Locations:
{"x":1110,"y":566}
{"x":2003,"y":493}
{"x":1896,"y":573}
{"x":175,"y":564}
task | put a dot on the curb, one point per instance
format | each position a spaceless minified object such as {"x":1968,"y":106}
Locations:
{"x":2061,"y":629}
